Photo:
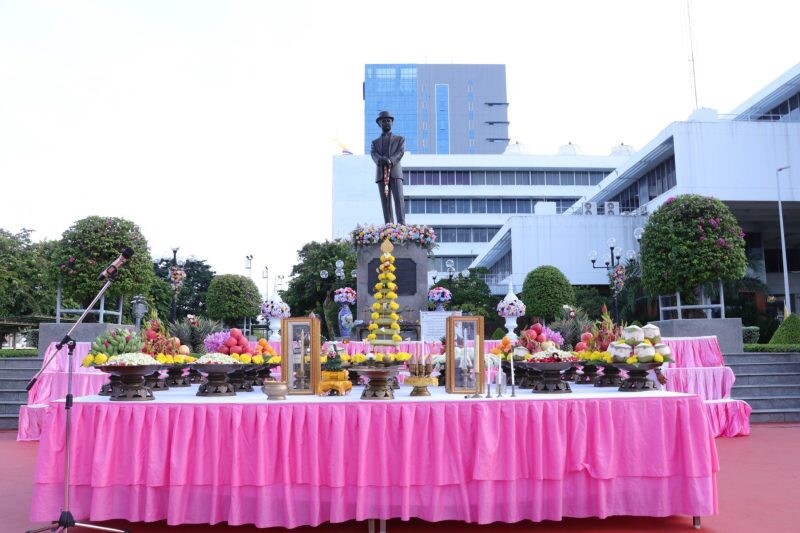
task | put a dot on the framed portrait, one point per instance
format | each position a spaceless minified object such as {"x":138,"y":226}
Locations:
{"x":464,"y":359}
{"x":300,"y":347}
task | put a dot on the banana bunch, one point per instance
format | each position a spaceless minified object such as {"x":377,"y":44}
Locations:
{"x":116,"y":342}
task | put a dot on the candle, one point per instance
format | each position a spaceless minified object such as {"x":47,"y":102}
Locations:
{"x":511,"y":360}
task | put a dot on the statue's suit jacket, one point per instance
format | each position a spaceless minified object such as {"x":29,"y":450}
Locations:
{"x":393,"y":148}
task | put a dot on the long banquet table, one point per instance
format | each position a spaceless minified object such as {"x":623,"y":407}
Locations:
{"x":310,"y":460}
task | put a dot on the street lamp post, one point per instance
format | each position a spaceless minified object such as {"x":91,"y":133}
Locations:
{"x":265,"y":276}
{"x":451,"y":272}
{"x":139,"y":307}
{"x":787,"y":307}
{"x":173,"y":312}
{"x":610,"y":261}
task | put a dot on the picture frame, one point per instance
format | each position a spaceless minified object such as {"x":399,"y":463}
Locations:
{"x":464,"y":362}
{"x":300,"y":354}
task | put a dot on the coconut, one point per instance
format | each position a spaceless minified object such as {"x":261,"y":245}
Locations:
{"x":662,"y":349}
{"x":652,"y":332}
{"x":633,"y":335}
{"x":645,"y":352}
{"x":620,"y":352}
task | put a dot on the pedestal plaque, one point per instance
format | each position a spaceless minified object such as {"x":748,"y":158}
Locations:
{"x":412,"y":280}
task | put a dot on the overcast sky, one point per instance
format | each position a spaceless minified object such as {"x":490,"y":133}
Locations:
{"x":211,"y":124}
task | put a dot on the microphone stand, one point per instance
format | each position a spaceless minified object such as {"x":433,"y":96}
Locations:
{"x":65,"y":519}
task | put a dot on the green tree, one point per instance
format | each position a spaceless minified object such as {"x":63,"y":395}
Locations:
{"x":545,"y":291}
{"x":191,"y":298}
{"x":232,"y":298}
{"x":689,"y":241}
{"x":471,"y":294}
{"x":90,"y":245}
{"x":307,"y":291}
{"x":588,"y":298}
{"x":25,"y":289}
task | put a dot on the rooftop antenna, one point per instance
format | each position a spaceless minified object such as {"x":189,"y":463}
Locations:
{"x":691,"y":54}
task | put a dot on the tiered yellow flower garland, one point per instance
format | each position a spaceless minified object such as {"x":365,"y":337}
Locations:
{"x":384,"y":328}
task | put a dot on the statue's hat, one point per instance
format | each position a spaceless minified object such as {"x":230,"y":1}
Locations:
{"x":384,"y":114}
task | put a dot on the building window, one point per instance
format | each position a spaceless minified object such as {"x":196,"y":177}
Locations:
{"x":431,"y":177}
{"x":463,"y":206}
{"x":442,"y":119}
{"x":537,"y":177}
{"x":448,"y":205}
{"x":433,"y":205}
{"x":478,"y":177}
{"x":479,"y":205}
{"x":524,"y":205}
{"x":493,"y":206}
{"x":509,"y":206}
{"x":448,"y":177}
{"x":523,"y":177}
{"x":507,"y":177}
{"x":492,"y":177}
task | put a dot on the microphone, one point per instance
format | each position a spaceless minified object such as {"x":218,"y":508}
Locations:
{"x":111,"y":271}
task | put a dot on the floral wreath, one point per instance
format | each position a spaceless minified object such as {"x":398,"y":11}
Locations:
{"x":345,"y":295}
{"x":423,"y":236}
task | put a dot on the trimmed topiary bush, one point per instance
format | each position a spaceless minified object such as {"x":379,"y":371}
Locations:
{"x":498,"y":334}
{"x":545,"y":292}
{"x":788,"y":332}
{"x":231,"y":298}
{"x":750,"y":334}
{"x":688,"y":241}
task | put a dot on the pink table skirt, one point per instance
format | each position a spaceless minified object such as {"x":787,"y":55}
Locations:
{"x":710,"y":383}
{"x":728,"y":418}
{"x":288,"y":464}
{"x":31,"y":419}
{"x":59,"y":363}
{"x":51,"y":386}
{"x":695,"y":351}
{"x":413,"y":347}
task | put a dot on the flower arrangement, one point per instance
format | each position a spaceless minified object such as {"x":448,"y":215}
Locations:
{"x":439,"y":295}
{"x":217,"y":359}
{"x":214,"y":341}
{"x":384,"y":328}
{"x":176,"y":359}
{"x":510,"y":308}
{"x":131,"y":359}
{"x":345,"y":295}
{"x":423,"y":236}
{"x":275,"y":309}
{"x":176,"y":276}
{"x":551,"y":355}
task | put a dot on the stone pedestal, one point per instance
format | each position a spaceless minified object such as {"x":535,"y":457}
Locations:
{"x":727,"y":330}
{"x":412,"y":280}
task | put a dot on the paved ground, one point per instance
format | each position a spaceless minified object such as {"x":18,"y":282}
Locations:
{"x":759,"y":491}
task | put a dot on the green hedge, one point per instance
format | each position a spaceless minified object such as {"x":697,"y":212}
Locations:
{"x":766,"y":348}
{"x":19,"y":352}
{"x":750,"y":334}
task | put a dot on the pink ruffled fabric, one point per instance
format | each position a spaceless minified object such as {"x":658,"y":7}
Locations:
{"x":695,"y":351}
{"x":728,"y":418}
{"x":710,"y":383}
{"x":290,"y":464}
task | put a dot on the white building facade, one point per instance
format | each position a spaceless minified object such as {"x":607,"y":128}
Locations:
{"x":738,"y":158}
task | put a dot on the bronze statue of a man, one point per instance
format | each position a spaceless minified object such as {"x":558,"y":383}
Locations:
{"x":387,"y":151}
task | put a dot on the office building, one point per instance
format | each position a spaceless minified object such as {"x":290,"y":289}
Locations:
{"x":439,"y":109}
